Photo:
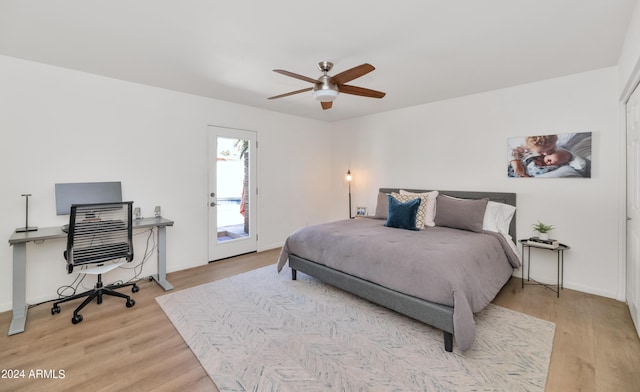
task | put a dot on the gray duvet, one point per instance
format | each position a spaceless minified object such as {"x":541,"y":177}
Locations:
{"x":447,"y":266}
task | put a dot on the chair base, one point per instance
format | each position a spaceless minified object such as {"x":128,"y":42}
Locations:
{"x":96,"y":293}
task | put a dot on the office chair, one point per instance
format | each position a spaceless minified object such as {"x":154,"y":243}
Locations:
{"x":98,"y":234}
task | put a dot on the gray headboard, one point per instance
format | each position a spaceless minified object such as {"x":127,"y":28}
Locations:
{"x":500,"y":197}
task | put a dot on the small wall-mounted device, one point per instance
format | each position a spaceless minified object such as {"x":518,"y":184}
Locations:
{"x":157,"y":211}
{"x":137,"y":213}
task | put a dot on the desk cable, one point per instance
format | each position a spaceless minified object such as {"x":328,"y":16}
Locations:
{"x":138,"y":268}
{"x":148,"y":252}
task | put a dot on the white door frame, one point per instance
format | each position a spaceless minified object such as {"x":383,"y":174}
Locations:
{"x":221,"y":250}
{"x":632,"y":84}
{"x":632,"y":224}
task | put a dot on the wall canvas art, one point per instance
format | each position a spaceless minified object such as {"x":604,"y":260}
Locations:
{"x":550,"y":156}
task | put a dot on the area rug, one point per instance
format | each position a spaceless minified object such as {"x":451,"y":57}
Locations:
{"x":262,"y":331}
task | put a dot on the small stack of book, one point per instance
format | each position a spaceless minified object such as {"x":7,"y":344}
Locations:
{"x":535,"y":241}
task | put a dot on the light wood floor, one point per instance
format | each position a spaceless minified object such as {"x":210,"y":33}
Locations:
{"x":595,"y":348}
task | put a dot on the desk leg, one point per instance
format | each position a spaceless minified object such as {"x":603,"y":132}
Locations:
{"x":161,"y":277}
{"x":19,"y":289}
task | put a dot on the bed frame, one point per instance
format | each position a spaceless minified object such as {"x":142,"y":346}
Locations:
{"x":436,"y":315}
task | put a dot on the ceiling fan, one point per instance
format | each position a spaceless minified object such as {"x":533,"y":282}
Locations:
{"x":326,"y":88}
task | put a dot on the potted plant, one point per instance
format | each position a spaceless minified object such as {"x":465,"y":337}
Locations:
{"x":543,"y":230}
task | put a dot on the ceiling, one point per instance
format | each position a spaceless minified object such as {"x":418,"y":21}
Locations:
{"x":423,"y":50}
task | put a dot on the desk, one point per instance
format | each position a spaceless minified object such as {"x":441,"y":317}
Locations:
{"x":560,"y":261}
{"x":19,"y":242}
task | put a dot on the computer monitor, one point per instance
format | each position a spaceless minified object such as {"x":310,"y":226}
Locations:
{"x":86,"y":193}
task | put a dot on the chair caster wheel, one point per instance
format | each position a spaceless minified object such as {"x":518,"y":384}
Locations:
{"x":135,"y":289}
{"x":76,"y":319}
{"x":55,"y":309}
{"x":130,"y":303}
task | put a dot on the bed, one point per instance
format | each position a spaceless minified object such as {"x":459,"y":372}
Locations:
{"x":428,"y":274}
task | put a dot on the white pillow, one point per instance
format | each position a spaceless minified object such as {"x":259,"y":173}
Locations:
{"x":430,"y":207}
{"x":513,"y":246}
{"x":497,"y":217}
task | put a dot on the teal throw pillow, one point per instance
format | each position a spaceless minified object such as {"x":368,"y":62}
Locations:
{"x":403,"y":215}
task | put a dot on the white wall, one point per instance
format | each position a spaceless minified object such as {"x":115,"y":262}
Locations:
{"x":460,"y":144}
{"x":59,"y":125}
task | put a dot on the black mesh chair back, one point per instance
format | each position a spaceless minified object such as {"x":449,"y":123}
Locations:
{"x":99,"y":233}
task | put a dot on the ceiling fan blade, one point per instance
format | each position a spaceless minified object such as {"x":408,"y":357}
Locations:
{"x":361,"y":91}
{"x":326,"y":105}
{"x":294,"y":75}
{"x":291,"y":93}
{"x":353,"y":73}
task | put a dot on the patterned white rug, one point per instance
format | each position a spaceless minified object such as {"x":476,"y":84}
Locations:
{"x":261,"y":331}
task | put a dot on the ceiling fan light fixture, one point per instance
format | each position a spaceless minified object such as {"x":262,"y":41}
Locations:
{"x":325,"y":90}
{"x":325,"y":95}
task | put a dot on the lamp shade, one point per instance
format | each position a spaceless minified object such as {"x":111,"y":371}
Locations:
{"x":325,"y":95}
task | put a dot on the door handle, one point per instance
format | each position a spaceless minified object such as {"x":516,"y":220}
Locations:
{"x":212,"y":204}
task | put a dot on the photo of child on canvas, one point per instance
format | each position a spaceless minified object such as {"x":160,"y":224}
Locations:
{"x":544,"y":155}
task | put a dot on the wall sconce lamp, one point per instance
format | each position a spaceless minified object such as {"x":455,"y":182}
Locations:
{"x":349,"y":182}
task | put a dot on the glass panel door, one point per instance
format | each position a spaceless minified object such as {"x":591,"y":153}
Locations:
{"x":232,"y":192}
